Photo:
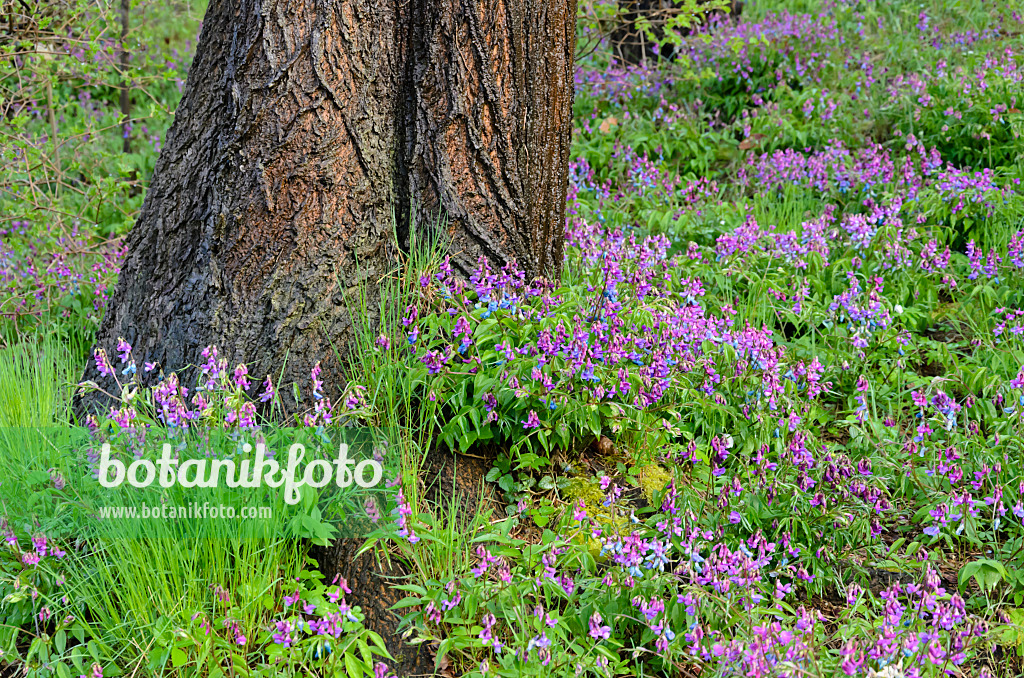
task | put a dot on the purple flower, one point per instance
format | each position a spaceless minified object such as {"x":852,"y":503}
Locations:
{"x":317,"y":383}
{"x":487,"y":634}
{"x":102,"y":363}
{"x":241,"y":377}
{"x":125,"y":349}
{"x":541,"y":643}
{"x":283,"y":634}
{"x":404,"y":513}
{"x":597,"y":631}
{"x":486,"y":560}
{"x":372,"y":512}
{"x":532,"y":421}
{"x":268,"y":390}
{"x":123,"y":417}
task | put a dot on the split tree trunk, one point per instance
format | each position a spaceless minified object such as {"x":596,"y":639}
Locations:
{"x":311,"y":133}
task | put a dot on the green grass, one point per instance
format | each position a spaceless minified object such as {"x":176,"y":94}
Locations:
{"x":35,"y":383}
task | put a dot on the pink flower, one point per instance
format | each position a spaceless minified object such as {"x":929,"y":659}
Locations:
{"x":317,"y":383}
{"x":125,"y":349}
{"x":241,"y":377}
{"x":102,"y":363}
{"x":268,"y":390}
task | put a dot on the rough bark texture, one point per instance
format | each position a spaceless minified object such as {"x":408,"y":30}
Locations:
{"x":490,"y":122}
{"x":307,"y":129}
{"x":311,"y":133}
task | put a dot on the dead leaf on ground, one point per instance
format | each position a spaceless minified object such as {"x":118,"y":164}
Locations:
{"x":608,"y":123}
{"x":750,"y":142}
{"x":604,"y":446}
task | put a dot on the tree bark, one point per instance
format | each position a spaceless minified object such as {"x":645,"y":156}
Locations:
{"x":310,"y":134}
{"x":491,"y":120}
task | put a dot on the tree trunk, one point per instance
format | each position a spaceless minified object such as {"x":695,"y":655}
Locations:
{"x":310,"y":135}
{"x":311,"y":132}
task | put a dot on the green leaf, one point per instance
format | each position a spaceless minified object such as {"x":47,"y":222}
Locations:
{"x":353,"y":668}
{"x":531,"y":460}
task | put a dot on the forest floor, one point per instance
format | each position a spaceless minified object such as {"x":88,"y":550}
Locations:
{"x":768,"y":423}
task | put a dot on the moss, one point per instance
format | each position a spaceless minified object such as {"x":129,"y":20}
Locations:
{"x":590,"y":492}
{"x":653,"y":478}
{"x":587,"y":490}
